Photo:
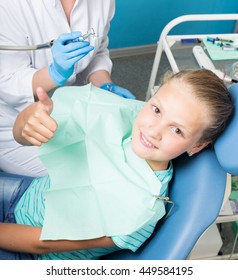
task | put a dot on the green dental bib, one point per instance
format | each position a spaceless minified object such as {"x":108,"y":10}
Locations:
{"x":99,"y":186}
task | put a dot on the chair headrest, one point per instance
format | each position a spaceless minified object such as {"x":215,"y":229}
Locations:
{"x":226,"y":146}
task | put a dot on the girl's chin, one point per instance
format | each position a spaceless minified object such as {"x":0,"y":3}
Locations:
{"x":142,"y":153}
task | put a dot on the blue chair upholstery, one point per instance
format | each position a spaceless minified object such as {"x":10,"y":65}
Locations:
{"x":197,"y":190}
{"x":226,"y":144}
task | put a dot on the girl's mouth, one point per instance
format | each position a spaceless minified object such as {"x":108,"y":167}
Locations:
{"x":146,"y":143}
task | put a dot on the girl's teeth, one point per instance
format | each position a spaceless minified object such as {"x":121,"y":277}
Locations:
{"x":147,"y":142}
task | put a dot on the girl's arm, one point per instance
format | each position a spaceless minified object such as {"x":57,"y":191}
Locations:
{"x":26,"y":239}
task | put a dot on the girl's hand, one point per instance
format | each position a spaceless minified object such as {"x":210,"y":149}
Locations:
{"x":34,"y":125}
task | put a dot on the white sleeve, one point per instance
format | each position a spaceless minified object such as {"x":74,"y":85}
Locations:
{"x":16,"y":70}
{"x":101,"y":60}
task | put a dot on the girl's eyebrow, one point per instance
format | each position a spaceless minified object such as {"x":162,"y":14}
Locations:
{"x":157,"y":102}
{"x":184,"y":129}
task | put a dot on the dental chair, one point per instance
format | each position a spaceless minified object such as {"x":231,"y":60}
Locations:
{"x":197,"y":191}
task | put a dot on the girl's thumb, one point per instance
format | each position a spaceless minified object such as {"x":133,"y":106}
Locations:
{"x":44,"y":99}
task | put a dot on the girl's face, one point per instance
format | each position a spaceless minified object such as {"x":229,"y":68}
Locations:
{"x":171,"y":123}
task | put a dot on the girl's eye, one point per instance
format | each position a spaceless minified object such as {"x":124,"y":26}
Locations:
{"x":156,"y":109}
{"x":177,"y":131}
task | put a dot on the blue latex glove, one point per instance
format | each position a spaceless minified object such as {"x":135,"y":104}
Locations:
{"x":65,"y":55}
{"x":118,"y":90}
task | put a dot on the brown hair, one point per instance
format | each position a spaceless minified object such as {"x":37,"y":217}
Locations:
{"x":211,"y":90}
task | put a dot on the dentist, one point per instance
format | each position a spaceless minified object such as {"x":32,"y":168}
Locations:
{"x":31,"y":22}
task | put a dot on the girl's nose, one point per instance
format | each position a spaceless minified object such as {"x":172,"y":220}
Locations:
{"x":156,"y":132}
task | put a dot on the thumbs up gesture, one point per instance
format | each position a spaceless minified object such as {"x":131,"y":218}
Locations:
{"x":34,"y":125}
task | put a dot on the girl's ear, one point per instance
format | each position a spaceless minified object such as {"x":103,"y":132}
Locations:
{"x":198,"y":148}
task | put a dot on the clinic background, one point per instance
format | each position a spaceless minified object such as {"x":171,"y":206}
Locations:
{"x":140,"y":22}
{"x":136,"y":27}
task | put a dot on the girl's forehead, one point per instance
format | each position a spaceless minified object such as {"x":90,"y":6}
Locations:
{"x":175,"y":87}
{"x":181,"y":92}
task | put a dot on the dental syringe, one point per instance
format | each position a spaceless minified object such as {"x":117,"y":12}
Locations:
{"x":91,"y":32}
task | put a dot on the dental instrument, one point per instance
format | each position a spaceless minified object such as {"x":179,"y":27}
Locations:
{"x":90,"y":32}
